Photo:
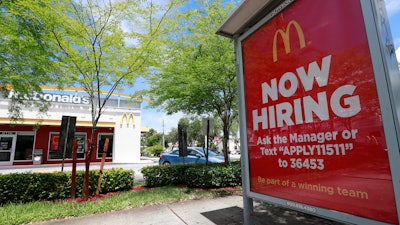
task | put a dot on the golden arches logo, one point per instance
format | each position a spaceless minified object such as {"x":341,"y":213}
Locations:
{"x":128,"y":117}
{"x":285,"y":35}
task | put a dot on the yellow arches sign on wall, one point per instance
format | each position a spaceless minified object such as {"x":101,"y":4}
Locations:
{"x":128,"y":117}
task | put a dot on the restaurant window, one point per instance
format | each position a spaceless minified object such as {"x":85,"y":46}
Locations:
{"x":24,"y":146}
{"x":54,"y":153}
{"x":102,"y":139}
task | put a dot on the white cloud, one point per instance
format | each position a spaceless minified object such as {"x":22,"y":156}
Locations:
{"x":398,"y":54}
{"x":392,"y":6}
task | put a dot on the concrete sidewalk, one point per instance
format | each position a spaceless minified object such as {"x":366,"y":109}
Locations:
{"x":221,"y":211}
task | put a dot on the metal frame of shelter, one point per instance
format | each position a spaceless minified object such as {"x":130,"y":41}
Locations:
{"x":251,"y":15}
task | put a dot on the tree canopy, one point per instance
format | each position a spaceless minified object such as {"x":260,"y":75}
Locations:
{"x":28,"y":60}
{"x":99,"y":45}
{"x":198,"y":73}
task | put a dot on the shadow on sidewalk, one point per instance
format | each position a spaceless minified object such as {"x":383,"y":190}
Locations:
{"x":265,"y":214}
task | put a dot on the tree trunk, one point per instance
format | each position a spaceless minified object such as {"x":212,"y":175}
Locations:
{"x":85,"y":189}
{"x":226,"y":141}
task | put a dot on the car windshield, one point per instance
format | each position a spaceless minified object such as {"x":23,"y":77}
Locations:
{"x":210,"y":151}
{"x":198,"y":149}
{"x":174,"y":152}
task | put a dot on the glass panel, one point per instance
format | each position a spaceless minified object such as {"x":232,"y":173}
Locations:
{"x":53,"y":150}
{"x":5,"y":156}
{"x":54,"y":138}
{"x":24,"y":147}
{"x":81,"y":145}
{"x":102,"y":139}
{"x":6,"y":143}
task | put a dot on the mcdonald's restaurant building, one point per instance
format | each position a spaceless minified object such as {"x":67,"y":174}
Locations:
{"x":26,"y":143}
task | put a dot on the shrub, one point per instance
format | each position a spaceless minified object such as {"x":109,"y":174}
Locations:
{"x":193,"y":175}
{"x":154,"y":150}
{"x":214,"y":176}
{"x":116,"y":180}
{"x":26,"y":187}
{"x":156,"y":176}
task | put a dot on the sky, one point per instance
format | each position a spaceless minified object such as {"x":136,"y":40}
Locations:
{"x":161,"y":122}
{"x":393,"y":9}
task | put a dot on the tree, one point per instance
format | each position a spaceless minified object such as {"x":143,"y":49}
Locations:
{"x":194,"y":133}
{"x":152,"y":141}
{"x":27,"y":59}
{"x":198,"y":73}
{"x":154,"y":150}
{"x":195,"y":136}
{"x":152,"y":138}
{"x":193,"y":129}
{"x":106,"y":45}
{"x":172,"y":137}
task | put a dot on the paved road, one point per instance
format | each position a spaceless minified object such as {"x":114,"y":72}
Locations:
{"x":136,"y":167}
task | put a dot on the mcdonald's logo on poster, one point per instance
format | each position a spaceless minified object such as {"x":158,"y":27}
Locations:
{"x":285,"y":36}
{"x":128,"y":117}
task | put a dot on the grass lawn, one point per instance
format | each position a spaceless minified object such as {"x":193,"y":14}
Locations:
{"x":11,"y":214}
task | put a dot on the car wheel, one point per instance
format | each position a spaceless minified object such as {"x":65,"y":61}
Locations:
{"x":166,"y":163}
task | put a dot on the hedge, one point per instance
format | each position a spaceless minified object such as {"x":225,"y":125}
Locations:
{"x":193,"y":175}
{"x":27,"y":187}
{"x":216,"y":176}
{"x":164,"y":175}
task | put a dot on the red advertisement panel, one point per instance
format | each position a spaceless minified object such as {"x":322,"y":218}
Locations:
{"x":314,"y":125}
{"x":55,"y":138}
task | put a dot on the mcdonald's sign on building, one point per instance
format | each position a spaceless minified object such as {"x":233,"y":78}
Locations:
{"x":120,"y":123}
{"x":127,"y":118}
{"x":320,"y":131}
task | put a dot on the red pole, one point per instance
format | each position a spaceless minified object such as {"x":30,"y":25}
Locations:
{"x":73,"y":175}
{"x":103,"y":160}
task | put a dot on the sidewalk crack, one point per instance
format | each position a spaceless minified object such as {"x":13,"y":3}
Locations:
{"x":176,"y":214}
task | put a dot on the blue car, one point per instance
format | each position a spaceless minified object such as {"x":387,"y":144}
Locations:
{"x":195,"y":155}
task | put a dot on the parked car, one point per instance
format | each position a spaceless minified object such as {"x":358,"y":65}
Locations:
{"x":194,"y":155}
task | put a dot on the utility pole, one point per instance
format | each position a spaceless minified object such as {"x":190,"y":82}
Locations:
{"x":163,"y":142}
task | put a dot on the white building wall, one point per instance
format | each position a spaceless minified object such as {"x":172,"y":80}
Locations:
{"x":127,"y":138}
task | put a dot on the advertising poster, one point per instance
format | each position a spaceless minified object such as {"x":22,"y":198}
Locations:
{"x":314,"y":125}
{"x":55,"y":138}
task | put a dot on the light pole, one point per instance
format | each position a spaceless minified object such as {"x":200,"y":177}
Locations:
{"x":162,"y":144}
